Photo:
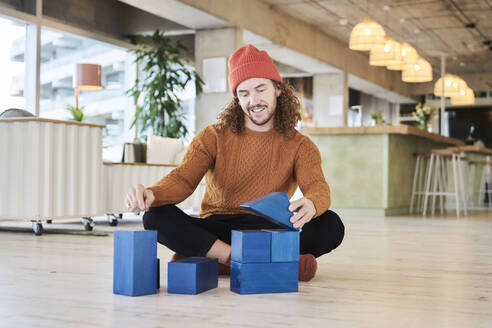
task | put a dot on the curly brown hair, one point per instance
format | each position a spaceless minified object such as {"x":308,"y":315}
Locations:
{"x":287,"y":113}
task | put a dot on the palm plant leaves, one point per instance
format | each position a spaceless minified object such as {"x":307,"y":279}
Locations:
{"x":155,"y":95}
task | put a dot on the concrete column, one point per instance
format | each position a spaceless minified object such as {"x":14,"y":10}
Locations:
{"x":211,"y":44}
{"x":330,"y":99}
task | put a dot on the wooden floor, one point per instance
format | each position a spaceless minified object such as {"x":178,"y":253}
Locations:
{"x":388,"y":272}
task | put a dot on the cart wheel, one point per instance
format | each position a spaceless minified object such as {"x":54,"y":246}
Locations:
{"x":88,"y":223}
{"x":112,"y":219}
{"x":37,"y":227}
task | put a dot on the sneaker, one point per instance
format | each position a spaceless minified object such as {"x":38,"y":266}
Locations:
{"x":307,"y":267}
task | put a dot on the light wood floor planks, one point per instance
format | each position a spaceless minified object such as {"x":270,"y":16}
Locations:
{"x":389,"y":272}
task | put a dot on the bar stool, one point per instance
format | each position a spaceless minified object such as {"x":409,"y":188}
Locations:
{"x":485,"y":186}
{"x":438,"y":177}
{"x":418,"y":190}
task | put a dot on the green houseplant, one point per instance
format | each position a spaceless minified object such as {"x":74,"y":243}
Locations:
{"x":77,"y":112}
{"x":155,"y":94}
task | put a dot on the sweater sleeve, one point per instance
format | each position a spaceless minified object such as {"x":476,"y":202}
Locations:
{"x":310,"y":176}
{"x":180,"y":183}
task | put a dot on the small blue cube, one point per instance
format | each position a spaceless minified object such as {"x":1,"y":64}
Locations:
{"x":135,"y":263}
{"x":251,"y":246}
{"x":192,"y":275}
{"x":285,"y":245}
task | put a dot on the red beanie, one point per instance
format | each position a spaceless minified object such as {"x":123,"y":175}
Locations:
{"x":248,"y":62}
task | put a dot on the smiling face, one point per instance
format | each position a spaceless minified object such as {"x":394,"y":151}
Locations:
{"x":258,"y":100}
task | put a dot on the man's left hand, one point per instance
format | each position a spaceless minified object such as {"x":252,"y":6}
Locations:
{"x":304,"y":211}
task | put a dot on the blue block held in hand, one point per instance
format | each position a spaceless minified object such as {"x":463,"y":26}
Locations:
{"x":273,"y":207}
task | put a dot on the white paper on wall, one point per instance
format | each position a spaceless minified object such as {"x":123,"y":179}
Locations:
{"x":214,"y":74}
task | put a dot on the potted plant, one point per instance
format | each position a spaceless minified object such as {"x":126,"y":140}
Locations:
{"x":377,"y":117}
{"x":155,"y":94}
{"x":424,"y":113}
{"x":77,"y":112}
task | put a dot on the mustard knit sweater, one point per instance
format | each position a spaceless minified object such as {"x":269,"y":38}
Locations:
{"x":240,"y":168}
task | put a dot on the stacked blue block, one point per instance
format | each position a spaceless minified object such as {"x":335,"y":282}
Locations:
{"x":285,"y":245}
{"x":192,"y":275}
{"x":277,"y":275}
{"x":274,"y":207}
{"x":250,"y":246}
{"x":135,"y":266}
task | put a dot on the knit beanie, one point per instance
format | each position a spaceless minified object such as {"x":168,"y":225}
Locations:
{"x":248,"y":62}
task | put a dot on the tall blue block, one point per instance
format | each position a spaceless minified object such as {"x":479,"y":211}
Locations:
{"x":273,"y":207}
{"x":285,"y":245}
{"x":135,"y":263}
{"x":262,"y":278}
{"x":192,"y":275}
{"x":250,"y":246}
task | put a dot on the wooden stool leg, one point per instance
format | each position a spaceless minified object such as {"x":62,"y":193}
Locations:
{"x":427,"y":184}
{"x":414,"y":185}
{"x":434,"y":191}
{"x":455,"y":179}
{"x":462,"y":189}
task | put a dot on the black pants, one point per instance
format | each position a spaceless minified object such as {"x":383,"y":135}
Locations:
{"x":191,"y":236}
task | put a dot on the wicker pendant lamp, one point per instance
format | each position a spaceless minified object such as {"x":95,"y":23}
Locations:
{"x":386,"y":54}
{"x":409,"y":57}
{"x":465,"y":97}
{"x":452,"y":86}
{"x":366,"y":35}
{"x":420,"y":72}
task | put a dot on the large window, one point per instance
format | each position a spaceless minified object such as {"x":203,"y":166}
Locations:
{"x":12,"y":67}
{"x":60,"y":52}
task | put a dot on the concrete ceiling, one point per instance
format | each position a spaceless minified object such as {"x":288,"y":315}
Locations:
{"x":441,"y":26}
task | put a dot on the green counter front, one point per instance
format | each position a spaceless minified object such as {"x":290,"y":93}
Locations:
{"x":370,"y":169}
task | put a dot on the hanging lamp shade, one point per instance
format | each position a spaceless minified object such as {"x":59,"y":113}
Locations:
{"x":386,"y":54}
{"x":409,"y":57}
{"x":87,"y":77}
{"x":420,"y":72}
{"x":366,"y":35}
{"x":465,"y":97}
{"x":452,"y":86}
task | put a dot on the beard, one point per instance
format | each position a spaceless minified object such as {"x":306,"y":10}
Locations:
{"x":262,"y":121}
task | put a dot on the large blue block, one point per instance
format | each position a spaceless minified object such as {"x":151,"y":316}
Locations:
{"x":192,"y":275}
{"x":285,"y":245}
{"x":261,"y":278}
{"x":135,"y":263}
{"x":273,"y":207}
{"x":250,"y":246}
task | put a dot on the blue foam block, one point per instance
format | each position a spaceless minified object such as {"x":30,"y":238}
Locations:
{"x":262,"y":278}
{"x":273,"y":207}
{"x":192,"y":275}
{"x":250,"y":246}
{"x":285,"y":245}
{"x":135,"y":262}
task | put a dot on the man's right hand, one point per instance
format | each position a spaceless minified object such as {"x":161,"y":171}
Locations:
{"x":139,"y":199}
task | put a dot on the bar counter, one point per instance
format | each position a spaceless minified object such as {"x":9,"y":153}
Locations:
{"x":370,"y":169}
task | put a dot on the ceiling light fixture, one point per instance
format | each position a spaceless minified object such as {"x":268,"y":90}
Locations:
{"x":366,"y":35}
{"x":420,"y":72}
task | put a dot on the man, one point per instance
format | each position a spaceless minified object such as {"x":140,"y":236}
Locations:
{"x":252,"y":150}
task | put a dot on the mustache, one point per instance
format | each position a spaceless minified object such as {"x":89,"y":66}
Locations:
{"x":256,"y":106}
